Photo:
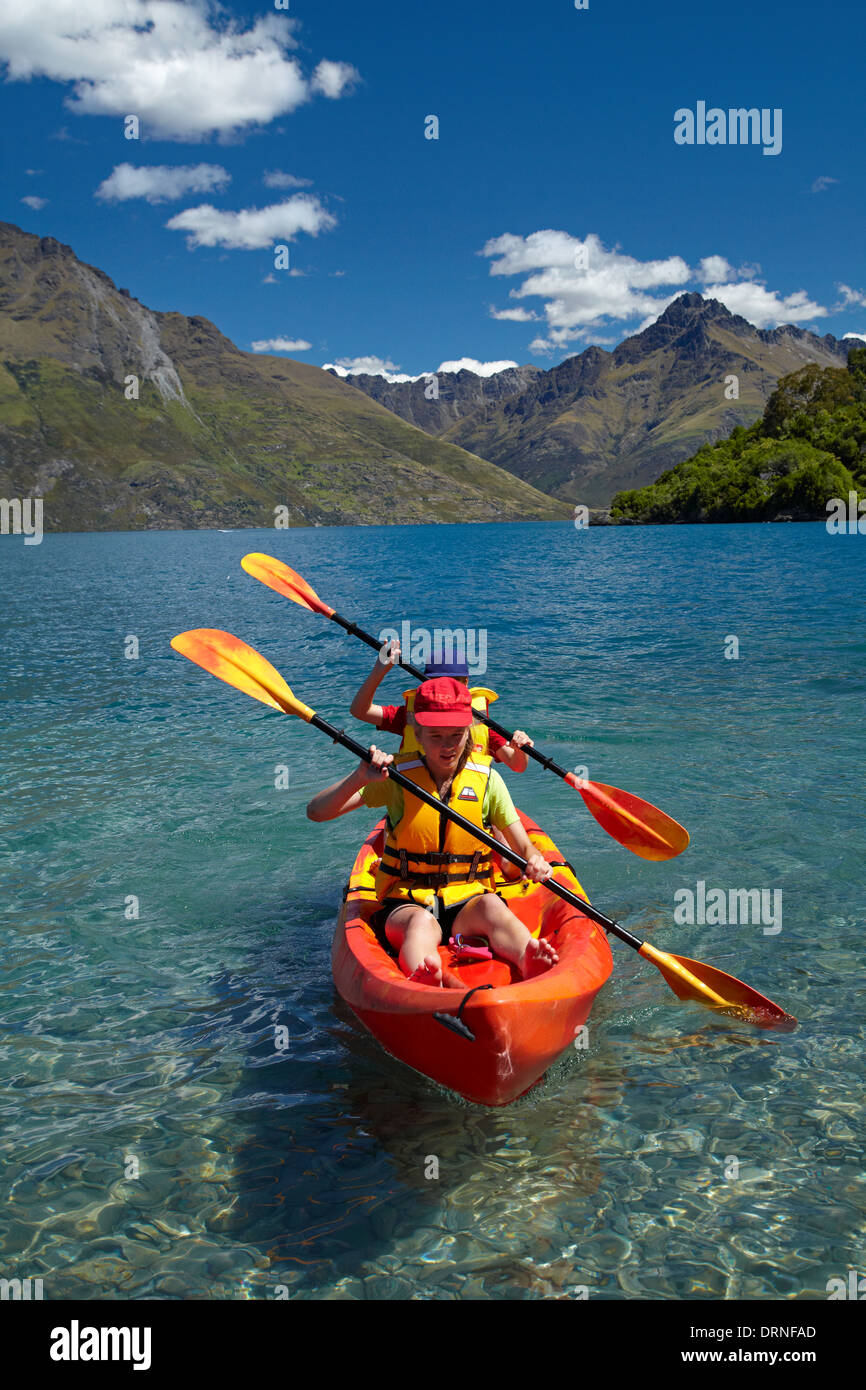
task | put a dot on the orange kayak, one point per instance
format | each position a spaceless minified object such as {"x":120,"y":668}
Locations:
{"x":488,"y":1035}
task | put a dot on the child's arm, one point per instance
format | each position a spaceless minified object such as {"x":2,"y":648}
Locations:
{"x":512,"y":753}
{"x":345,"y":795}
{"x":362,"y":706}
{"x":537,"y":867}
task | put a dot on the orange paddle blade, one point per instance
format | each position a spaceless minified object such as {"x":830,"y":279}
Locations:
{"x":240,"y":665}
{"x":691,"y":979}
{"x":285,"y":581}
{"x":642,"y":828}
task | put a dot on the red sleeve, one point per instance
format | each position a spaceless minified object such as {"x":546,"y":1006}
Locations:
{"x":393,"y":719}
{"x":496,"y":741}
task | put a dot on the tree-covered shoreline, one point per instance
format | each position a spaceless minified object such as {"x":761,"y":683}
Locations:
{"x":809,"y":447}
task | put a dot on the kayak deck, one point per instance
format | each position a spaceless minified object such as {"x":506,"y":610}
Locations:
{"x":519,"y":1027}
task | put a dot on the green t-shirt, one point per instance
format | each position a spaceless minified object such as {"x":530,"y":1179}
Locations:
{"x":497,"y":808}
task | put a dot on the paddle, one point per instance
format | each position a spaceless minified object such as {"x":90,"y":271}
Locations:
{"x":635,"y":823}
{"x":239,"y":665}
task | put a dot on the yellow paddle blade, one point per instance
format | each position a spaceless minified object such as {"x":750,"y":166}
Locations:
{"x":637,"y":824}
{"x":691,"y":979}
{"x":240,"y":665}
{"x":285,"y":581}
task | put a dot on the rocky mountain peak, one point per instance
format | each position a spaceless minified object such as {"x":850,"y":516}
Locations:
{"x":80,"y":315}
{"x":682,"y":310}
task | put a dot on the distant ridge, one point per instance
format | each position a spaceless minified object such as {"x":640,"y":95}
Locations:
{"x":454,"y":396}
{"x":602,"y":421}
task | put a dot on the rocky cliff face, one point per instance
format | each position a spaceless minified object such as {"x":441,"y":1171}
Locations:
{"x":54,"y":303}
{"x":603,"y":421}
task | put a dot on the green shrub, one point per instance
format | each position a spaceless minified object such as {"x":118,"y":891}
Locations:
{"x":809,"y":446}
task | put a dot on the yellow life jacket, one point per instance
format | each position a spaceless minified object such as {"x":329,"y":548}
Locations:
{"x":428,"y":857}
{"x":481,"y":699}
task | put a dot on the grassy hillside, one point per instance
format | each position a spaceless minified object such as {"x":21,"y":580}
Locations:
{"x":216,"y":437}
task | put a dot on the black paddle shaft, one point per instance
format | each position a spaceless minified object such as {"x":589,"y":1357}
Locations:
{"x":339,"y":736}
{"x":480,"y":718}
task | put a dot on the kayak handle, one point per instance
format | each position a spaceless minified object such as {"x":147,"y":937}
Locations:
{"x":455,"y":1021}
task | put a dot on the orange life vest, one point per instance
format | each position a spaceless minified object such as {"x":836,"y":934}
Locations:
{"x":427,"y":857}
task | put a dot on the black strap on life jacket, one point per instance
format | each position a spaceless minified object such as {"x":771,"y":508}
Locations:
{"x":431,"y":856}
{"x":439,"y":880}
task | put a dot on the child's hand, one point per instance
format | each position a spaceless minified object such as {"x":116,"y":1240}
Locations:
{"x":389,"y":653}
{"x":375,"y":771}
{"x":537,"y":868}
{"x":520,"y":740}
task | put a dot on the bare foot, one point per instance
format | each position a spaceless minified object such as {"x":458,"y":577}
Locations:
{"x":429,"y":972}
{"x":538,"y":957}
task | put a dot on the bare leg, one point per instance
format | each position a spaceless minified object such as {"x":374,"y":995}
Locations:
{"x":488,"y":916}
{"x":416,"y":933}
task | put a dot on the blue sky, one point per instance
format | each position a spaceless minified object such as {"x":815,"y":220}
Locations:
{"x":556,"y":166}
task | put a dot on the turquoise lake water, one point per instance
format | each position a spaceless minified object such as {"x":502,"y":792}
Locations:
{"x":153,"y":1141}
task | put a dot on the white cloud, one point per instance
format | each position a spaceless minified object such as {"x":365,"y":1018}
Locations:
{"x":251,"y":229}
{"x":586,"y":287}
{"x":513,"y":315}
{"x":861,"y":336}
{"x":822,"y":183}
{"x":161,"y":183}
{"x":471,"y":364}
{"x":63,"y":134}
{"x":184,"y":67}
{"x":850,"y":297}
{"x":281,"y":345}
{"x":583,"y":284}
{"x":378,"y":366}
{"x":714,"y":268}
{"x":275,"y":279}
{"x":33,"y":202}
{"x":369,"y":366}
{"x":333,"y":79}
{"x":765,"y":308}
{"x":275,"y":178}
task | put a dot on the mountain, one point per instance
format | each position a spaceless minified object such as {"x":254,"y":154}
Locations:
{"x":216,"y":436}
{"x":435,"y":408}
{"x":807,"y":450}
{"x":603,"y":421}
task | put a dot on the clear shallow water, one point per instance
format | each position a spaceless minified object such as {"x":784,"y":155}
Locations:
{"x":148,"y":1044}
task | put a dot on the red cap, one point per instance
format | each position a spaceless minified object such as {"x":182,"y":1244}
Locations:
{"x":443,"y":703}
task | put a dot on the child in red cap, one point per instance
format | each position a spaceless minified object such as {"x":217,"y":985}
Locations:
{"x":434,"y":877}
{"x":392,"y":719}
